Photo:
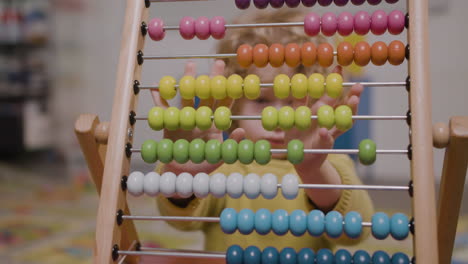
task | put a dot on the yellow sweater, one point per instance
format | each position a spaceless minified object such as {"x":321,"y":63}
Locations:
{"x":216,"y":240}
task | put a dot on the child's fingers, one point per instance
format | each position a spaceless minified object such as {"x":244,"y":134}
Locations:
{"x":190,"y":68}
{"x":206,"y":102}
{"x":218,"y":68}
{"x":356,"y":90}
{"x":237,"y":134}
{"x":326,"y":139}
{"x":338,"y":69}
{"x":227,"y":102}
{"x":158,"y":100}
{"x":187,"y":102}
{"x":353,"y":103}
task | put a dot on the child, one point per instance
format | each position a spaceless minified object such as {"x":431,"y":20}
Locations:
{"x":315,"y":169}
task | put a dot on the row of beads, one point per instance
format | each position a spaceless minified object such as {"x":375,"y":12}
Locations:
{"x":308,"y":54}
{"x":202,"y":28}
{"x":220,"y":87}
{"x":252,"y":254}
{"x":244,"y":4}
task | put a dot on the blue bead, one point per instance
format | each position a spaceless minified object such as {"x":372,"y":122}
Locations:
{"x":252,"y":255}
{"x":245,"y":221}
{"x":399,"y":226}
{"x":234,"y":255}
{"x":280,"y":222}
{"x":298,"y":222}
{"x":288,"y":256}
{"x":353,"y":224}
{"x":342,"y":256}
{"x":380,"y":225}
{"x":380,"y":257}
{"x":400,"y":258}
{"x":316,"y":222}
{"x":334,"y":224}
{"x":263,"y":221}
{"x":324,"y":256}
{"x":270,"y":255}
{"x":306,"y":256}
{"x":228,"y":220}
{"x":361,"y":257}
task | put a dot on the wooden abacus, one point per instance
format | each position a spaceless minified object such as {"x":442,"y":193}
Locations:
{"x":107,"y":147}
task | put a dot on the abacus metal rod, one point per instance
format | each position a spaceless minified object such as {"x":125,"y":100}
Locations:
{"x":250,"y":25}
{"x":313,"y":117}
{"x":326,"y":151}
{"x":172,"y":254}
{"x":353,"y":187}
{"x":199,"y":56}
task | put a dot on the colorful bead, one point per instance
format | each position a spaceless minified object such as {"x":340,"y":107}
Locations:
{"x":280,"y":222}
{"x":286,"y":117}
{"x":396,"y":52}
{"x":367,"y":151}
{"x":316,"y":85}
{"x":308,"y":54}
{"x":213,"y":151}
{"x":229,"y":151}
{"x":156,"y":118}
{"x":324,"y":256}
{"x":217,"y":183}
{"x":326,"y":117}
{"x":260,"y":55}
{"x":171,"y":118}
{"x":201,"y":185}
{"x":167,"y":184}
{"x":396,"y":22}
{"x":261,"y":4}
{"x":343,"y":117}
{"x":197,"y":151}
{"x":234,"y":86}
{"x":312,"y":24}
{"x":302,"y":117}
{"x":187,"y":27}
{"x":292,"y":54}
{"x":184,"y":185}
{"x":252,"y":87}
{"x":252,"y":254}
{"x":165,"y":147}
{"x":345,"y":23}
{"x":353,"y":224}
{"x":361,"y":257}
{"x":263,"y":221}
{"x":325,"y":54}
{"x":276,"y":55}
{"x":295,"y":151}
{"x":218,"y":87}
{"x":374,"y":2}
{"x":222,"y":118}
{"x":379,"y":53}
{"x":380,"y":257}
{"x":167,"y":87}
{"x":298,"y":222}
{"x":268,"y":186}
{"x":290,"y":186}
{"x":334,"y":85}
{"x":252,"y":185}
{"x":242,"y":4}
{"x":362,"y":23}
{"x":149,"y":151}
{"x":379,"y":22}
{"x":244,"y":55}
{"x":342,"y":256}
{"x":288,"y":256}
{"x":399,"y":226}
{"x":245,"y":221}
{"x":135,"y":183}
{"x":218,"y":27}
{"x":235,"y":185}
{"x":358,"y":2}
{"x":341,"y":2}
{"x":400,"y":258}
{"x":380,"y":225}
{"x":245,"y":151}
{"x":292,"y":3}
{"x":156,"y":29}
{"x":299,"y":85}
{"x":308,"y":3}
{"x":181,"y":151}
{"x":316,"y":223}
{"x":306,"y":256}
{"x":281,"y":86}
{"x":202,"y":87}
{"x":203,"y":117}
{"x":276,"y":3}
{"x":187,"y":87}
{"x":270,"y":255}
{"x":329,"y":24}
{"x":187,"y":118}
{"x":202,"y":28}
{"x":345,"y":53}
{"x":228,"y":220}
{"x":334,"y":224}
{"x":235,"y":254}
{"x":262,"y":151}
{"x":362,"y":53}
{"x":151,"y":184}
{"x":325,"y":2}
{"x":269,"y":118}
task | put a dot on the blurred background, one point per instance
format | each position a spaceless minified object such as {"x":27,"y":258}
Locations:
{"x":58,"y":59}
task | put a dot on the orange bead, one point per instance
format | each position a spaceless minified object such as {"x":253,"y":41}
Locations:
{"x":325,"y":54}
{"x":396,"y":52}
{"x":308,"y":54}
{"x":260,"y":55}
{"x":379,"y":53}
{"x":345,"y":54}
{"x":292,"y":54}
{"x":244,"y":55}
{"x":362,"y":53}
{"x":276,"y":55}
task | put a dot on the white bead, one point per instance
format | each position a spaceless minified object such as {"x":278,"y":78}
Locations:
{"x":167,"y":184}
{"x":184,"y":184}
{"x":218,"y":185}
{"x":135,"y":183}
{"x":252,"y":185}
{"x":269,"y":186}
{"x":201,"y":185}
{"x":234,"y":185}
{"x":151,"y":184}
{"x":290,"y":186}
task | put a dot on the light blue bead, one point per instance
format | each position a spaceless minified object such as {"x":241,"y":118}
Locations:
{"x":324,"y":256}
{"x":252,"y":255}
{"x":353,"y":224}
{"x":342,"y":256}
{"x":399,"y":226}
{"x":306,"y":256}
{"x":234,"y":255}
{"x":280,"y":222}
{"x":270,"y":255}
{"x":245,"y":221}
{"x":228,"y":220}
{"x":380,"y":225}
{"x":298,"y":222}
{"x":263,"y":221}
{"x":316,"y":222}
{"x":400,"y":258}
{"x":361,"y":257}
{"x":380,"y":257}
{"x":288,"y":256}
{"x":334,"y":224}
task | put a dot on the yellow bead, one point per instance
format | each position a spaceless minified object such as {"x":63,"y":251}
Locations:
{"x":234,"y":86}
{"x":326,"y":116}
{"x":222,"y":118}
{"x":281,"y":86}
{"x":299,"y":85}
{"x":156,"y":118}
{"x":218,"y":87}
{"x":269,"y":118}
{"x":202,"y":87}
{"x":343,"y":117}
{"x":187,"y":87}
{"x":334,"y":85}
{"x":286,"y":117}
{"x":252,"y":86}
{"x":316,"y":85}
{"x":302,"y":117}
{"x":167,"y":87}
{"x":171,"y":118}
{"x":187,"y":118}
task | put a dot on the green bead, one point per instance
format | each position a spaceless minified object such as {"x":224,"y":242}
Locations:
{"x":222,"y":118}
{"x":167,"y":87}
{"x":281,"y":86}
{"x":286,"y":117}
{"x":299,"y":86}
{"x":149,"y":151}
{"x":202,"y":87}
{"x":165,"y":148}
{"x":234,"y":86}
{"x":229,"y":151}
{"x":343,"y":117}
{"x":156,"y":118}
{"x":187,"y":87}
{"x":203,"y":117}
{"x":187,"y":118}
{"x":295,"y":151}
{"x":213,"y":151}
{"x":334,"y":85}
{"x":171,"y":118}
{"x":197,"y":151}
{"x":367,"y":151}
{"x":269,"y":118}
{"x":326,"y":116}
{"x":181,"y":151}
{"x":302,"y":117}
{"x":262,"y":152}
{"x":218,"y":87}
{"x":245,"y":151}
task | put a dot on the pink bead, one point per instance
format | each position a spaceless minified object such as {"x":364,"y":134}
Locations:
{"x":329,"y":24}
{"x":312,"y":24}
{"x":187,"y":27}
{"x":202,"y":28}
{"x":396,"y":22}
{"x":362,"y":23}
{"x":218,"y":27}
{"x":156,"y":29}
{"x":379,"y":22}
{"x":345,"y":24}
